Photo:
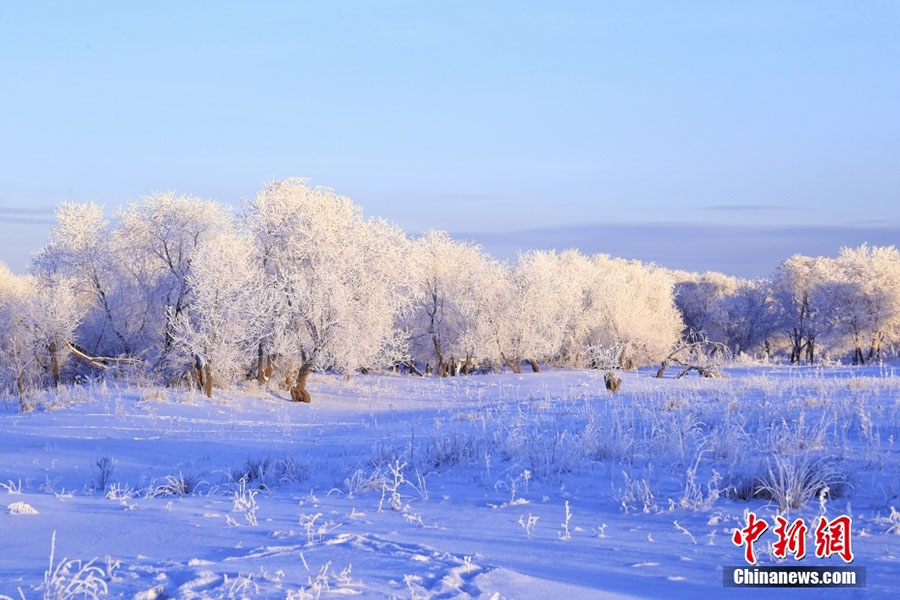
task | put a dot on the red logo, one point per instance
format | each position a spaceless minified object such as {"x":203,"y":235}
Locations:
{"x":831,"y":537}
{"x":749,"y":534}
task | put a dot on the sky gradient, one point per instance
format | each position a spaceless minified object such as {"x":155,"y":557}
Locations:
{"x":518,"y":124}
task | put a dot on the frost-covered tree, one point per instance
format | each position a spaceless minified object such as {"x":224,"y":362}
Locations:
{"x":575,"y":274}
{"x":804,"y":302}
{"x":337,"y":280}
{"x":617,"y":304}
{"x":746,"y":318}
{"x":219,"y":329}
{"x":52,"y":317}
{"x":18,"y":361}
{"x":451,"y":282}
{"x":38,"y":317}
{"x":638,"y":310}
{"x":532,"y":310}
{"x":155,"y":242}
{"x":80,"y":248}
{"x":867,"y":293}
{"x":698,"y":299}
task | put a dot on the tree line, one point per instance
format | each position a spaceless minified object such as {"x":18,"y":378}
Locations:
{"x":182,"y":289}
{"x":812,"y":308}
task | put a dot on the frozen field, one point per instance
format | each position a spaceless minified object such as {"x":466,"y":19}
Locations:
{"x":401,"y":487}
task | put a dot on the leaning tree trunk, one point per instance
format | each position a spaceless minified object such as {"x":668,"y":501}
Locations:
{"x":298,"y":388}
{"x":534,"y":365}
{"x":413,"y":370}
{"x":515,"y":365}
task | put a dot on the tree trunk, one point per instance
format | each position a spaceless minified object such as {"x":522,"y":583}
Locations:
{"x":875,"y":349}
{"x":467,"y":368}
{"x":534,"y":366}
{"x":109,"y":318}
{"x":261,"y":366}
{"x":197,"y":370}
{"x":298,"y":389}
{"x":207,"y":380}
{"x":20,"y":384}
{"x":796,"y":347}
{"x":440,"y":357}
{"x":54,"y":362}
{"x":198,"y":375}
{"x":514,"y":365}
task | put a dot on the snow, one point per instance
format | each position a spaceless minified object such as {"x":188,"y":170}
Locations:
{"x":392,"y":486}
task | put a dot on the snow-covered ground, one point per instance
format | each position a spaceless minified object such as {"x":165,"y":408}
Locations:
{"x":396,"y":486}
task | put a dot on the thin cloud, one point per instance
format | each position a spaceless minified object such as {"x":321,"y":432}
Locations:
{"x":26,"y":220}
{"x":20,"y":215}
{"x":21,"y":210}
{"x":873,"y":223}
{"x":749,"y":208}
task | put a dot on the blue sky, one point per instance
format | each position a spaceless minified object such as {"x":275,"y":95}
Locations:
{"x":514,"y":121}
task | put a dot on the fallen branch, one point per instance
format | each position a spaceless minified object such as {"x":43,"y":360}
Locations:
{"x":98,"y":362}
{"x":699,"y":347}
